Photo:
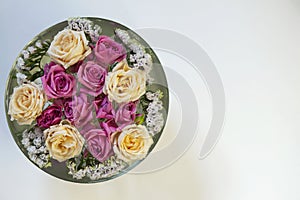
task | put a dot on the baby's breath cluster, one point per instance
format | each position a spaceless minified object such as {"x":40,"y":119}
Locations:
{"x":138,"y":57}
{"x":81,"y":24}
{"x":21,"y":78}
{"x":34,"y":143}
{"x":110,"y":167}
{"x":154,"y":117}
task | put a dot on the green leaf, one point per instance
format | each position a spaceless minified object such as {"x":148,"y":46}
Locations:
{"x":101,"y":119}
{"x":49,"y":164}
{"x":140,"y":119}
{"x":110,"y":67}
{"x":36,"y":75}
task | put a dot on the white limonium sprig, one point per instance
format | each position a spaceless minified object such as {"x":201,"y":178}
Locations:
{"x":21,"y":63}
{"x":81,"y":24}
{"x":139,"y":57}
{"x":33,"y":141}
{"x":110,"y":167}
{"x":21,"y":78}
{"x":154,"y":117}
{"x":123,"y":35}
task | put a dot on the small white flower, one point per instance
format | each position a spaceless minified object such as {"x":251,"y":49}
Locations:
{"x":31,"y":135}
{"x":150,"y":95}
{"x":75,"y":27}
{"x":20,"y":62}
{"x":37,"y":142}
{"x":40,"y":162}
{"x":21,"y":78}
{"x":141,"y":62}
{"x":132,"y":58}
{"x":25,"y":142}
{"x":79,"y":174}
{"x":25,"y":134}
{"x":43,"y":156}
{"x":139,"y":51}
{"x":31,"y":149}
{"x":38,"y":44}
{"x":31,"y":49}
{"x":33,"y":157}
{"x":25,"y":54}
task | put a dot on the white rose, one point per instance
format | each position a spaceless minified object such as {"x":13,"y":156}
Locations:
{"x":68,"y":47}
{"x":63,"y":141}
{"x":125,"y":84}
{"x":132,"y":143}
{"x":26,"y":103}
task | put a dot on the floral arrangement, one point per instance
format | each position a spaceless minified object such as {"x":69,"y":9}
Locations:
{"x":84,"y":100}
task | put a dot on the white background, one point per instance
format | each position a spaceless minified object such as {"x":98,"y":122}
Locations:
{"x":255,"y":46}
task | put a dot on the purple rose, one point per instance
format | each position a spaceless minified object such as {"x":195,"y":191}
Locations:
{"x":98,"y":142}
{"x":56,"y":82}
{"x":125,"y":114}
{"x":78,"y":110}
{"x":110,"y":126}
{"x":103,"y":107}
{"x":50,"y":116}
{"x":92,"y":76}
{"x":107,"y":51}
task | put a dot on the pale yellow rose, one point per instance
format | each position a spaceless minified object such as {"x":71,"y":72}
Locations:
{"x":63,"y":141}
{"x":123,"y":65}
{"x":125,"y":84}
{"x":26,"y":103}
{"x":132,"y":143}
{"x":68,"y":47}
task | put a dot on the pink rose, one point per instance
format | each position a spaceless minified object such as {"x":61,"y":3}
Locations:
{"x":126,"y":114}
{"x":98,"y":142}
{"x":78,"y":110}
{"x":107,"y":51}
{"x":92,"y":76}
{"x":56,"y":82}
{"x":50,"y":116}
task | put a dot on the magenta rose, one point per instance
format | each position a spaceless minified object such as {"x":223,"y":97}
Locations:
{"x":50,"y":116}
{"x":103,"y":107}
{"x":92,"y":76}
{"x":78,"y":110}
{"x":56,"y":82}
{"x":107,"y":51}
{"x":110,"y":126}
{"x":98,"y":142}
{"x":125,"y":114}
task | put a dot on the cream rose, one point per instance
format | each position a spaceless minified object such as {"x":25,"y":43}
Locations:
{"x":63,"y":141}
{"x":68,"y":47}
{"x":125,"y":84}
{"x":26,"y":103}
{"x":132,"y":143}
